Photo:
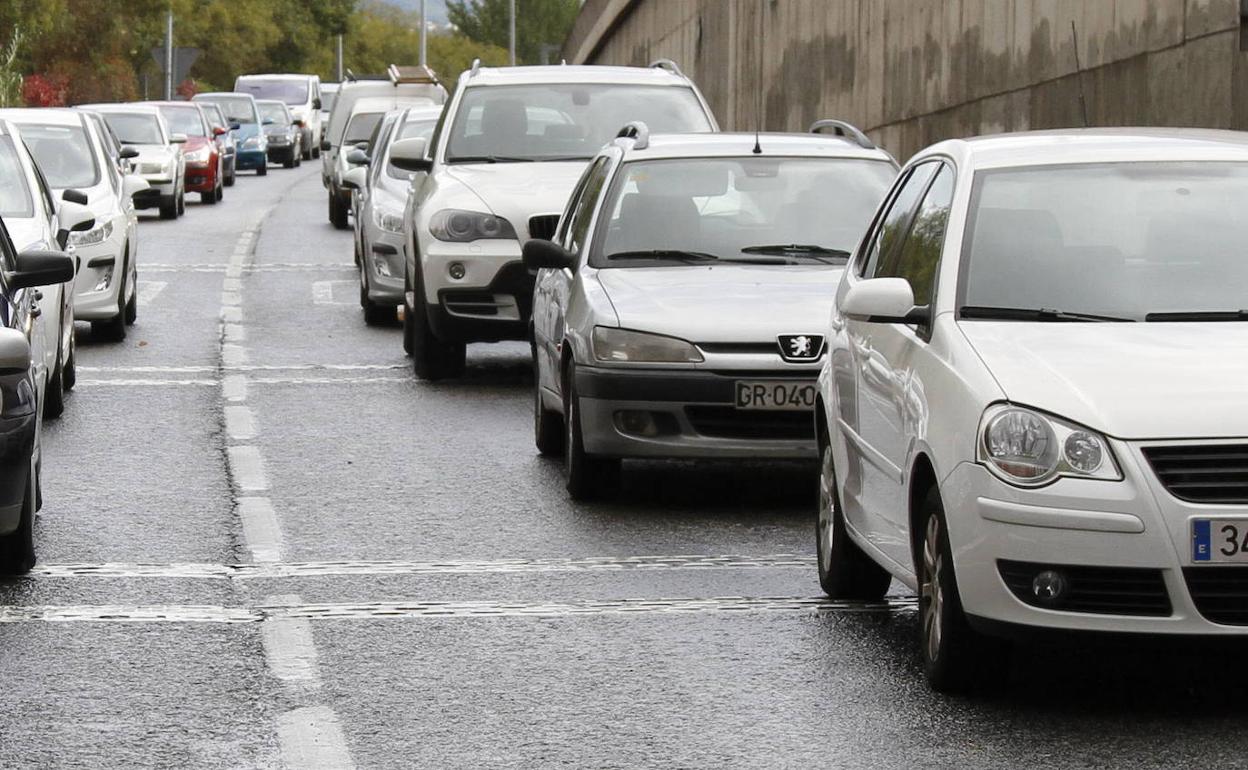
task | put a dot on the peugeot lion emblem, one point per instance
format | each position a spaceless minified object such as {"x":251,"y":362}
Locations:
{"x":800,"y":348}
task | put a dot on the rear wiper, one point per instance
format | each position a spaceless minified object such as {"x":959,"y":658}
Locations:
{"x":488,"y":159}
{"x":1032,"y":314}
{"x":673,"y":254}
{"x":1200,"y":315}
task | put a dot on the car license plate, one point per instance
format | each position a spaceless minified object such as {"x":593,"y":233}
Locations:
{"x":775,"y":395}
{"x":1219,"y":541}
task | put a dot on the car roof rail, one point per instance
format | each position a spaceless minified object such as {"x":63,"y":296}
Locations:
{"x":350,"y":75}
{"x":667,"y":64}
{"x":476,"y":66}
{"x":414,"y":74}
{"x":638,"y":131}
{"x":843,"y":129}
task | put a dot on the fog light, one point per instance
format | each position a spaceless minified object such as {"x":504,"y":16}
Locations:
{"x":105,"y":281}
{"x":636,"y":423}
{"x":1049,"y":588}
{"x":457,"y":270}
{"x":382,"y":266}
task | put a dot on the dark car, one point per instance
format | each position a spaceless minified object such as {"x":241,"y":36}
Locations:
{"x":283,"y":132}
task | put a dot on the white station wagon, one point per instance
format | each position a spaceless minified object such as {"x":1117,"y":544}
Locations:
{"x":680,"y":307}
{"x":1035,"y":409}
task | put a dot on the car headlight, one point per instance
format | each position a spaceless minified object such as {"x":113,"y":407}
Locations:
{"x":463,"y":226}
{"x":253,"y":143}
{"x":387,"y":220}
{"x":625,"y":346}
{"x":98,"y":234}
{"x":1030,"y":448}
{"x":18,"y":398}
{"x":199,"y":156}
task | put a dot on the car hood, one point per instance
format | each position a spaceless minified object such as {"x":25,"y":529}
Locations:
{"x":517,"y":191}
{"x":154,"y":153}
{"x":723,"y":303}
{"x":1129,"y":380}
{"x":26,"y":233}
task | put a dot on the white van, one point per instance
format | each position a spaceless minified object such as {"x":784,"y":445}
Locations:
{"x":301,"y":93}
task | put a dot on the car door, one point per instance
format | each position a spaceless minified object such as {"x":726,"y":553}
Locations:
{"x":873,"y":501}
{"x":52,"y":301}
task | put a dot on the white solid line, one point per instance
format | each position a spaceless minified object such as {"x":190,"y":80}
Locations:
{"x":234,"y":387}
{"x":145,"y":383}
{"x":245,"y":368}
{"x":289,"y":647}
{"x":248,"y":468}
{"x":231,"y":314}
{"x":328,"y":380}
{"x":234,"y":333}
{"x":233,"y":355}
{"x":149,"y":369}
{"x":311,"y":739}
{"x":261,"y":533}
{"x":239,"y":423}
{"x":149,"y":290}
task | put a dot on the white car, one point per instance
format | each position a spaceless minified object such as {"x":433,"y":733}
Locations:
{"x":377,"y":212}
{"x":510,"y":148}
{"x":72,"y":154}
{"x":39,"y":222}
{"x":1033,"y":412}
{"x":680,"y":307}
{"x":301,"y":94}
{"x":160,"y":161}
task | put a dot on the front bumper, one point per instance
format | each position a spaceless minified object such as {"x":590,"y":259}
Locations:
{"x":491,"y":303}
{"x":245,"y":159}
{"x":98,"y":261}
{"x":1080,"y":528}
{"x":280,"y":152}
{"x":17,"y":441}
{"x":692,"y":413}
{"x":201,"y":178}
{"x":384,"y":263}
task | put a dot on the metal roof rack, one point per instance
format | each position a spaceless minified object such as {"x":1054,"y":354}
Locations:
{"x":667,"y":64}
{"x":415,"y":74}
{"x":843,"y":129}
{"x":637,"y":131}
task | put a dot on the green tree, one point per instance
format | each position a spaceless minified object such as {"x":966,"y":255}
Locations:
{"x":539,"y":23}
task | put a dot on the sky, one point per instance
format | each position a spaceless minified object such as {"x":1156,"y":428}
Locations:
{"x":434,"y":9}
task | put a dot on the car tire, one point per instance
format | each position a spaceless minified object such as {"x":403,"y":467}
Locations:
{"x":408,"y":328}
{"x":845,"y":570}
{"x":69,"y":372}
{"x":181,"y":203}
{"x":547,"y":424}
{"x":209,"y":197}
{"x":229,"y":177}
{"x":263,"y":169}
{"x":374,"y":314}
{"x":956,"y":658}
{"x":169,"y":207}
{"x":337,"y":211}
{"x":132,"y":304}
{"x":588,"y":477}
{"x":54,"y":391}
{"x":432,"y":358}
{"x":17,"y":549}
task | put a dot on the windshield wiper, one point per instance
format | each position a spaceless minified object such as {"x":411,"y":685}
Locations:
{"x":1032,"y":314}
{"x":673,"y":254}
{"x":1200,"y":315}
{"x":488,"y":159}
{"x":795,"y":248}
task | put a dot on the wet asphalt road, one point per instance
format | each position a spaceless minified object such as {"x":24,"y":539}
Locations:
{"x":265,"y":544}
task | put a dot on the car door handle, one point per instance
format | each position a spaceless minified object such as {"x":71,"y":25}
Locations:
{"x":38,"y":295}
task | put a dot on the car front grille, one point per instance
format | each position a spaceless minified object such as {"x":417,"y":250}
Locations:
{"x":1202,"y":474}
{"x":1100,"y":590}
{"x":729,"y":422}
{"x":543,"y":226}
{"x":1219,"y":593}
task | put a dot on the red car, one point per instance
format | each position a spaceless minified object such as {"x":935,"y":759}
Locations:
{"x":205,"y":172}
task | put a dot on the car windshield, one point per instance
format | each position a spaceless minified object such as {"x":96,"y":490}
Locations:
{"x":327,"y":100}
{"x":563,"y":121}
{"x":63,"y":154}
{"x":134,"y":127}
{"x":238,"y":109}
{"x":758,"y":210}
{"x":361,"y":127}
{"x":1132,"y":241}
{"x":280,"y":89}
{"x":216,"y":118}
{"x":183,"y":120}
{"x":412,"y":129}
{"x":274,"y":112}
{"x":15,"y":200}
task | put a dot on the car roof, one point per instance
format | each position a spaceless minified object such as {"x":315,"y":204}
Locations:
{"x":171,"y":103}
{"x":52,"y":116}
{"x":421,"y":111}
{"x":224,"y":93}
{"x":147,"y":109}
{"x":386,"y":104}
{"x":276,"y":76}
{"x":271,"y":101}
{"x":709,"y":145}
{"x":562,"y":73}
{"x":1093,"y":145}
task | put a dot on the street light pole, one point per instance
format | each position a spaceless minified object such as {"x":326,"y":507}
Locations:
{"x":339,"y":68}
{"x":424,"y":32}
{"x":511,"y":48}
{"x":169,"y":56}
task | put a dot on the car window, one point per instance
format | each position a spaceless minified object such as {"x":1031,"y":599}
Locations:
{"x":274,"y":112}
{"x":216,"y":118}
{"x":411,"y":129}
{"x":379,"y":143}
{"x":919,"y":254}
{"x":238,"y":109}
{"x":361,"y":127}
{"x":63,"y":153}
{"x":583,"y":216}
{"x":184,"y":120}
{"x":135,"y":127}
{"x":15,"y":195}
{"x":49,"y":200}
{"x":281,"y":89}
{"x":888,"y":233}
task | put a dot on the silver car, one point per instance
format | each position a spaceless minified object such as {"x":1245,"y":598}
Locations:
{"x":377,"y":212}
{"x":159,"y":162}
{"x":679,"y":310}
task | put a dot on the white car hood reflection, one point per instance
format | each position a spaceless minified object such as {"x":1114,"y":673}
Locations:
{"x":517,"y":191}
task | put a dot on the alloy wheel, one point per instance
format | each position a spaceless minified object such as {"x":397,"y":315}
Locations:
{"x":826,"y":510}
{"x":931,"y":595}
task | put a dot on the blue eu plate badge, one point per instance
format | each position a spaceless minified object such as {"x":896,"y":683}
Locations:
{"x":1202,"y":540}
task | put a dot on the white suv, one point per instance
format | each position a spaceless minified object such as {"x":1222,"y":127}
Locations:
{"x":1033,"y":410}
{"x":498,"y":170}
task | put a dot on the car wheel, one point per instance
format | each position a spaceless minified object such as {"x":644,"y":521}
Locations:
{"x":263,"y":169}
{"x":54,"y":392}
{"x":432,"y":358}
{"x":209,"y":197}
{"x":169,"y":207}
{"x":337,"y":211}
{"x":17,"y":549}
{"x":547,"y":425}
{"x":845,"y":570}
{"x":181,"y":203}
{"x":132,"y":304}
{"x":408,"y":328}
{"x":374,"y":314}
{"x":69,"y":372}
{"x":588,"y":476}
{"x":229,"y":177}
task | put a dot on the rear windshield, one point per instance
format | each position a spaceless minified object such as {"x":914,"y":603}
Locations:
{"x":15,"y":200}
{"x":63,"y":154}
{"x":215,"y":118}
{"x":134,"y":127}
{"x":238,"y":109}
{"x":184,"y":120}
{"x":274,"y":112}
{"x":278,"y":89}
{"x":361,"y":126}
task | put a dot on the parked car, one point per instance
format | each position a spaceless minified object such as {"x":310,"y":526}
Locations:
{"x":223,"y":135}
{"x":158,"y":159}
{"x":329,"y":93}
{"x":301,"y":94}
{"x":1033,"y":410}
{"x":351,"y":123}
{"x":119,"y":156}
{"x":244,"y":117}
{"x":22,"y":386}
{"x":69,"y":148}
{"x":679,"y":308}
{"x":283,"y":134}
{"x":513,"y":142}
{"x":205,"y":173}
{"x":40,"y":222}
{"x":377,"y":205}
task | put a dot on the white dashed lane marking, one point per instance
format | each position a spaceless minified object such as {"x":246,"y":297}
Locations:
{"x":149,"y":290}
{"x":323,"y":292}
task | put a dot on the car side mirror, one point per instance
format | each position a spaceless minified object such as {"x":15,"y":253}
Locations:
{"x":128,"y":153}
{"x":74,"y":196}
{"x":355,"y":179}
{"x":539,"y":253}
{"x":326,"y":146}
{"x":219,"y":130}
{"x":133,"y":185}
{"x":74,"y":218}
{"x":316,"y":104}
{"x":177,"y":139}
{"x":14,"y":350}
{"x":298,"y":123}
{"x":882,"y":300}
{"x":357,"y":157}
{"x":235,"y":126}
{"x":410,"y":154}
{"x":41,"y":268}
